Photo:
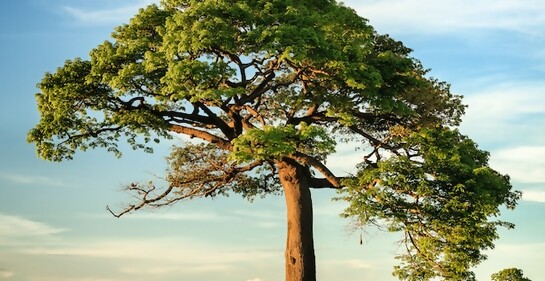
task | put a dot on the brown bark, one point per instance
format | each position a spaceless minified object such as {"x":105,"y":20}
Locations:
{"x":300,"y":259}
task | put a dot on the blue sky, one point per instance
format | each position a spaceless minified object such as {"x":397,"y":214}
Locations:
{"x":53,"y":222}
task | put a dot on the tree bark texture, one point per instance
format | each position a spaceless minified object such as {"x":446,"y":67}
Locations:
{"x":300,"y":259}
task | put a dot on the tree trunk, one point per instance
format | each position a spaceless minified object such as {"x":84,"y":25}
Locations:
{"x":300,"y":259}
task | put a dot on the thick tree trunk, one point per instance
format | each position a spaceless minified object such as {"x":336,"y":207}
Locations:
{"x":300,"y":259}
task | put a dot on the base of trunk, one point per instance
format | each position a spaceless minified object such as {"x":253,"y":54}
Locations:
{"x":300,"y":259}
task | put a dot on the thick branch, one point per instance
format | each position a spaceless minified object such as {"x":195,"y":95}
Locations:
{"x":324,"y":183}
{"x":259,"y":90}
{"x":319,"y":166}
{"x":226,"y":130}
{"x":191,"y":132}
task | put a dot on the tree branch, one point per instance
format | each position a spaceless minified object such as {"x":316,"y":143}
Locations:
{"x":145,"y":200}
{"x":258,"y":91}
{"x":319,"y":166}
{"x":191,"y":132}
{"x":318,"y":183}
{"x":219,"y":180}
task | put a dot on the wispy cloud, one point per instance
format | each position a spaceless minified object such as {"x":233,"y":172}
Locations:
{"x":16,"y":231}
{"x":534,"y":250}
{"x":351,"y":263}
{"x":6,"y":274}
{"x":71,"y":278}
{"x":31,"y":179}
{"x":261,"y":214}
{"x":164,"y":270}
{"x":506,"y":101}
{"x":18,"y":226}
{"x":106,"y":16}
{"x":506,"y":113}
{"x":193,"y":216}
{"x":525,"y":164}
{"x":255,"y":279}
{"x":188,"y":252}
{"x":534,"y":195}
{"x":439,"y":16}
{"x":346,"y":157}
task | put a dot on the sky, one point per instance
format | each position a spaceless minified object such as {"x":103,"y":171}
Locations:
{"x":53,"y":221}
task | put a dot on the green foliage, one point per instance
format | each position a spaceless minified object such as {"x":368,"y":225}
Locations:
{"x":440,"y":193}
{"x":272,"y":143}
{"x":77,"y":113}
{"x":509,"y":274}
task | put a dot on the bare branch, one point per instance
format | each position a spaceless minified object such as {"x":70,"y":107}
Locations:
{"x":145,"y":201}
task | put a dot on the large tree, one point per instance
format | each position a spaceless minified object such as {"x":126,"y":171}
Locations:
{"x":270,"y":89}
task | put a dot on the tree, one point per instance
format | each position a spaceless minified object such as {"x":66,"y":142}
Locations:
{"x":509,"y":274}
{"x":270,"y":88}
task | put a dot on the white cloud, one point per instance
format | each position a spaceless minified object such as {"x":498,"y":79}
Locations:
{"x":350,"y":263}
{"x":530,"y":251}
{"x":72,"y":278}
{"x":528,"y":256}
{"x":255,"y":279}
{"x":16,"y":231}
{"x":506,"y":114}
{"x":506,"y":101}
{"x":5,"y":274}
{"x":163,"y":270}
{"x":31,"y":179}
{"x":436,"y":16}
{"x":525,"y":164}
{"x":345,"y":159}
{"x":187,"y":252}
{"x":106,"y":16}
{"x":195,"y":216}
{"x":164,"y":256}
{"x":14,"y":226}
{"x":534,"y":195}
{"x":260,"y":214}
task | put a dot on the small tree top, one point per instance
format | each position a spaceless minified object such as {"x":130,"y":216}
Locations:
{"x":509,"y":274}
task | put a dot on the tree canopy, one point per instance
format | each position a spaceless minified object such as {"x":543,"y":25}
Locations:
{"x":269,"y":85}
{"x":509,"y":274}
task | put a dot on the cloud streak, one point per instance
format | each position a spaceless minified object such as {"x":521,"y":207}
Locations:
{"x":16,"y":226}
{"x":534,"y":196}
{"x":31,"y":180}
{"x":440,"y":16}
{"x":525,"y":164}
{"x":195,"y":216}
{"x":5,"y":274}
{"x":105,"y":16}
{"x":16,"y":231}
{"x":505,"y":114}
{"x":166,"y":250}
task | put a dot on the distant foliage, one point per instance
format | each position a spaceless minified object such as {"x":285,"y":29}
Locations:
{"x":509,"y":274}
